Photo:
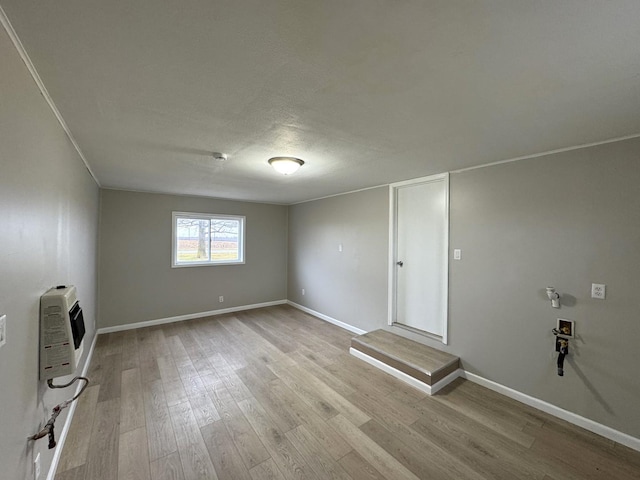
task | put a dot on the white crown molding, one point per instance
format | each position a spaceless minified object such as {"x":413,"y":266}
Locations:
{"x":4,"y":20}
{"x":484,"y":165}
{"x":550,"y":152}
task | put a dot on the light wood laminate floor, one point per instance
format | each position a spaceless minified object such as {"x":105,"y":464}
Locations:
{"x":273,"y":394}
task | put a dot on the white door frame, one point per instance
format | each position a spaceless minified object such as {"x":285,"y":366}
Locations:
{"x":393,"y":233}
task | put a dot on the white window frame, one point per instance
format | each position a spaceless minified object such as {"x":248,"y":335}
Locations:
{"x":206,"y":216}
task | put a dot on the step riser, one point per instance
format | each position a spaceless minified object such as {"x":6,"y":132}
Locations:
{"x":428,"y":389}
{"x":381,"y":350}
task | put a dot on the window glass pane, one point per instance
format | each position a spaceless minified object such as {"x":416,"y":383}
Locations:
{"x":207,"y":239}
{"x":192,"y":240}
{"x":225,"y":240}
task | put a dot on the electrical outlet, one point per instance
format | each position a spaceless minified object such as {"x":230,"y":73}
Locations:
{"x":3,"y":330}
{"x":339,"y":247}
{"x":303,"y":292}
{"x":36,"y":467}
{"x":598,"y":290}
{"x":221,"y":298}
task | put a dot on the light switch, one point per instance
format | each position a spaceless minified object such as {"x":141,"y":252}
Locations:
{"x":457,"y":254}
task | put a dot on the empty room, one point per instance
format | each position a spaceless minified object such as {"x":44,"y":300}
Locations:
{"x":295,"y":239}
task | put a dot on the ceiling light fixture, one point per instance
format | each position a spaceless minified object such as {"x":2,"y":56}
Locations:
{"x":286,"y":165}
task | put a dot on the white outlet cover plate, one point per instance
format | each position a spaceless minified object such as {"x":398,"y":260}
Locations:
{"x":3,"y":330}
{"x":598,"y":290}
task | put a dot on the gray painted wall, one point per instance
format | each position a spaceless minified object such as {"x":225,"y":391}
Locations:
{"x":137,"y":282}
{"x":350,"y":286}
{"x":568,"y":220}
{"x":49,"y":212}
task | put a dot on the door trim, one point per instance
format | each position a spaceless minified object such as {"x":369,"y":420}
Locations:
{"x":392,"y":270}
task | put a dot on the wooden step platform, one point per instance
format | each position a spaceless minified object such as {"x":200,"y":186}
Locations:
{"x":421,"y":366}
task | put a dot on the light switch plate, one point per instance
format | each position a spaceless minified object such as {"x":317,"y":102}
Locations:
{"x":3,"y":330}
{"x":457,"y":254}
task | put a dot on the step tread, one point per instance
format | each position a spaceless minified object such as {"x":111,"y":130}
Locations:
{"x":403,"y":350}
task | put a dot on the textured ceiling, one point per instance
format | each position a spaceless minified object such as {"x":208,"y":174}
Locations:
{"x":367,"y":92}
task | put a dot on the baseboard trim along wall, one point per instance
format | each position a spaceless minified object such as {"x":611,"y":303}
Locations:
{"x":587,"y":424}
{"x":190,"y":316}
{"x":67,"y":423}
{"x":327,"y":318}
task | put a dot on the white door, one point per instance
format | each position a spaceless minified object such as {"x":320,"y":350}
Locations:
{"x":420,"y":266}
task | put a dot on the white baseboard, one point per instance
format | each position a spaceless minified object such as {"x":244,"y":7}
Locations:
{"x":414,"y":382}
{"x":587,"y":424}
{"x":190,"y":316}
{"x":327,"y":318}
{"x":67,"y":423}
{"x":595,"y":427}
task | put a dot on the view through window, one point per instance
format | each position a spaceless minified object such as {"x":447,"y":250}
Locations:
{"x":204,"y":239}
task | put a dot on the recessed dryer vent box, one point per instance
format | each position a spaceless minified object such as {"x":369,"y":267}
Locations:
{"x":566,"y":328}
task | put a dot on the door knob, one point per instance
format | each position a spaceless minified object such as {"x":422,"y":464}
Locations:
{"x":400,"y":263}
